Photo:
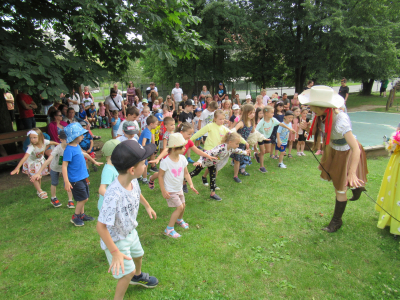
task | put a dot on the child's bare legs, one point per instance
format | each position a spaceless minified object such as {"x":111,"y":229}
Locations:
{"x":123,"y":284}
{"x":153,"y":177}
{"x":177,"y":214}
{"x":302,"y":146}
{"x":80,"y":207}
{"x":261,"y":155}
{"x":290,"y":147}
{"x":38,"y":185}
{"x":298,"y":146}
{"x":144,"y":175}
{"x":281,"y":155}
{"x":205,"y":173}
{"x":188,"y":153}
{"x":236,"y":167}
{"x":53,"y":189}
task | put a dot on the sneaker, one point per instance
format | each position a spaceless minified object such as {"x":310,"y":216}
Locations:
{"x":216,"y":197}
{"x":76,"y":220}
{"x":263,"y":170}
{"x":154,"y":169}
{"x":303,"y":154}
{"x":185,"y":189}
{"x":237,"y":179}
{"x":55,"y":202}
{"x":244,"y":173}
{"x":95,"y":169}
{"x":144,"y":280}
{"x":257,"y":157}
{"x":298,"y":153}
{"x":201,"y":148}
{"x":71,"y":204}
{"x":145,"y":181}
{"x":282,"y":165}
{"x":151,"y":185}
{"x":205,"y":183}
{"x":190,"y":160}
{"x":85,"y":217}
{"x":140,"y":178}
{"x":217,"y":188}
{"x":319,"y":152}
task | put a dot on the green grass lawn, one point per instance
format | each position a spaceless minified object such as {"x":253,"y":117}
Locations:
{"x":263,"y":241}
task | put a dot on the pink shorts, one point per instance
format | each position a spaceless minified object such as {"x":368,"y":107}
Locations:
{"x":176,"y":199}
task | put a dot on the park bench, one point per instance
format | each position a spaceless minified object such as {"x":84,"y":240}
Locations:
{"x":38,"y":118}
{"x":12,"y":138}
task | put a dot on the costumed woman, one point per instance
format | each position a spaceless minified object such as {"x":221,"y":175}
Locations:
{"x":389,"y":195}
{"x":343,"y":161}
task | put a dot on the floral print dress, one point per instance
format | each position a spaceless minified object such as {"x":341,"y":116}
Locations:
{"x":35,"y":160}
{"x":222,"y":152}
{"x":243,"y":159}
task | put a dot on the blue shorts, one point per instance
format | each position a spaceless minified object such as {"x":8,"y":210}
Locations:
{"x":80,"y":190}
{"x":282,"y":148}
{"x":130,"y":246}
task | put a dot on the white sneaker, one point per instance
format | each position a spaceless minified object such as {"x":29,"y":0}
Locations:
{"x":303,"y":154}
{"x":298,"y":153}
{"x":282,"y":165}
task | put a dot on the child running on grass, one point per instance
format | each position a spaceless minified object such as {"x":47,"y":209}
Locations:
{"x":55,"y":161}
{"x":115,"y":122}
{"x":266,"y":126}
{"x":167,"y":127}
{"x":215,"y":131}
{"x":195,"y":124}
{"x":302,"y":133}
{"x":245,"y":126}
{"x":109,"y":172}
{"x":117,"y":219}
{"x":173,"y":170}
{"x":34,"y":159}
{"x":282,"y":137}
{"x":146,"y":138}
{"x":295,"y":125}
{"x":75,"y":173}
{"x":186,"y":130}
{"x":230,"y":144}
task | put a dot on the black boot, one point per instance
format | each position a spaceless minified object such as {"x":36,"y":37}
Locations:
{"x":336,"y":221}
{"x":357,"y":193}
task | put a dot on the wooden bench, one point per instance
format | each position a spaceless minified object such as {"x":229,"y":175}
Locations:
{"x":38,"y":118}
{"x":14,"y":137}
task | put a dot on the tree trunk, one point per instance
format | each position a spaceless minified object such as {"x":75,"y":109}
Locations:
{"x":5,"y":120}
{"x":300,"y":78}
{"x":367,"y":87}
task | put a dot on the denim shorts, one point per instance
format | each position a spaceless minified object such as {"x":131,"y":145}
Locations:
{"x":80,"y":190}
{"x":54,"y":177}
{"x":130,"y":246}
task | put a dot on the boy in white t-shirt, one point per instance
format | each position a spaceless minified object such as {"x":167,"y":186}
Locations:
{"x":207,"y":117}
{"x":117,"y":219}
{"x":143,"y":118}
{"x":131,"y":131}
{"x":173,"y":169}
{"x":132,"y":114}
{"x":195,"y":124}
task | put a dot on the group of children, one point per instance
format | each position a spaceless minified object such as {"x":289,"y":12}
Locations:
{"x":225,"y":133}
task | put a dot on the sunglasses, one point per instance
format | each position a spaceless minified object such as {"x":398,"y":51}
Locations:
{"x":58,"y":115}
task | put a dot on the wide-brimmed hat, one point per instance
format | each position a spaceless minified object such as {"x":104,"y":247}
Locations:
{"x":321,"y":95}
{"x":74,"y":130}
{"x":176,"y":140}
{"x":109,"y":147}
{"x":235,"y":107}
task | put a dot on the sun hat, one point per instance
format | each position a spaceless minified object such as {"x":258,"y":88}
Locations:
{"x":159,"y":117}
{"x":73,"y":131}
{"x":129,"y":127}
{"x":321,"y":95}
{"x":129,"y":153}
{"x":248,"y":96}
{"x":109,"y":147}
{"x":62,"y":135}
{"x":145,"y":101}
{"x":176,"y":140}
{"x":235,"y":107}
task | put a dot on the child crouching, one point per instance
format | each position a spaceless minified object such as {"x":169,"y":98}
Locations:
{"x":117,"y":219}
{"x":173,"y":169}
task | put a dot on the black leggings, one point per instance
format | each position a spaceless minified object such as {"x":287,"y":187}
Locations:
{"x":213,"y":175}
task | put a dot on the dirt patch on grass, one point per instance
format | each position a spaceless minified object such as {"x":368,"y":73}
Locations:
{"x":365,"y":108}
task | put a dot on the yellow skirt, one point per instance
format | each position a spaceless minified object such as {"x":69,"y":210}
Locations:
{"x":389,"y":196}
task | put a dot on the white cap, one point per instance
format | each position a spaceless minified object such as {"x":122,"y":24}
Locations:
{"x":248,"y":96}
{"x":235,"y":106}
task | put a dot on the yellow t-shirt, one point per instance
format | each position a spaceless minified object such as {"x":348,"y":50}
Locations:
{"x":156,"y":132}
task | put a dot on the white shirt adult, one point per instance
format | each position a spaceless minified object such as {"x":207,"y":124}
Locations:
{"x":117,"y":104}
{"x":177,"y":93}
{"x":265,"y":99}
{"x":74,"y":102}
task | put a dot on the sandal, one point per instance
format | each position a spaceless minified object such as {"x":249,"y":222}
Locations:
{"x":271,"y":156}
{"x":183,"y":224}
{"x":42,"y":195}
{"x":171,"y":233}
{"x":96,"y":148}
{"x":95,"y":137}
{"x":276,"y":156}
{"x":244,"y":173}
{"x":290,"y":156}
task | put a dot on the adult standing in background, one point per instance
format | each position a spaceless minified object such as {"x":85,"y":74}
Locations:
{"x":344,"y":89}
{"x":265,"y":97}
{"x":237,"y":100}
{"x":26,"y":106}
{"x":115,"y":102}
{"x":384,"y":85}
{"x":46,"y":104}
{"x":177,"y":93}
{"x":203,"y":94}
{"x":86,"y":90}
{"x":74,"y":101}
{"x":130,"y":94}
{"x":10,"y":105}
{"x":310,"y":83}
{"x":119,"y":92}
{"x":221,"y":92}
{"x":152,"y":94}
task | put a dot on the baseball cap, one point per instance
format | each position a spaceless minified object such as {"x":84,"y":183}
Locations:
{"x":145,"y":101}
{"x":198,"y":109}
{"x":221,"y":83}
{"x":159,"y":117}
{"x":86,"y":93}
{"x":62,"y":135}
{"x":109,"y":147}
{"x":188,"y":102}
{"x":129,"y":153}
{"x":235,"y":106}
{"x":289,"y":113}
{"x":129,"y":127}
{"x":248,"y":96}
